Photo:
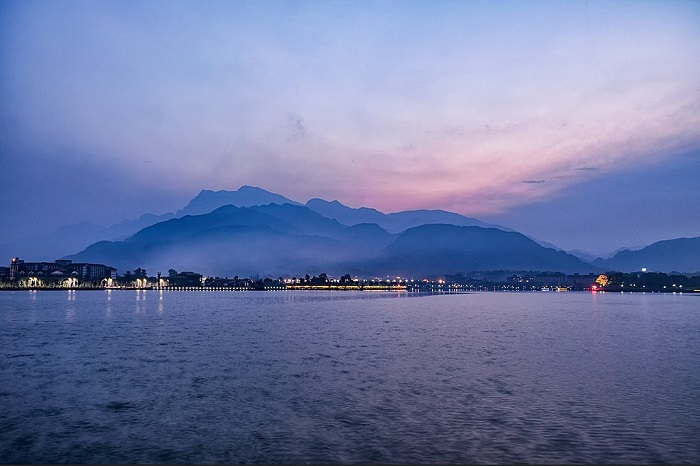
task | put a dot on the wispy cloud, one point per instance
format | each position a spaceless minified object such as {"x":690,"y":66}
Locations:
{"x":297,"y":129}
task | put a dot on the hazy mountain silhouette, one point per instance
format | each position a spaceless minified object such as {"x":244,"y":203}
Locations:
{"x":679,"y":255}
{"x":344,"y":214}
{"x":303,"y":219}
{"x":270,"y":239}
{"x":292,"y":239}
{"x":226,"y":251}
{"x":368,"y":235}
{"x":68,"y":239}
{"x":583,"y":255}
{"x":202,"y":203}
{"x":439,"y":249}
{"x":189,"y":225}
{"x":324,"y":234}
{"x":394,"y":222}
{"x":245,"y":196}
{"x":126,"y":228}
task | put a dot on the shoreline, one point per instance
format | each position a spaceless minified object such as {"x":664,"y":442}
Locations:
{"x":346,"y":289}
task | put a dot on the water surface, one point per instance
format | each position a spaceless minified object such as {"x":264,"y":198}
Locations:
{"x":129,"y":376}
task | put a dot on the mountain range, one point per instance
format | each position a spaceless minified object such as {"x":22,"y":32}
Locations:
{"x":245,"y":196}
{"x":394,"y":222}
{"x":289,"y":239}
{"x":71,"y":238}
{"x":252,"y":230}
{"x":679,"y":255}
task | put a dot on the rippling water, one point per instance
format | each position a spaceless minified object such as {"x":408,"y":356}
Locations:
{"x":130,"y":376}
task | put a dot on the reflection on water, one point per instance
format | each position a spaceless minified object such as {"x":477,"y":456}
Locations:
{"x":348,"y":377}
{"x":70,"y":307}
{"x":108,"y":305}
{"x":140,"y":301}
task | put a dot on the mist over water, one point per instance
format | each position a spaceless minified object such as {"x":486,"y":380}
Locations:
{"x":143,"y":376}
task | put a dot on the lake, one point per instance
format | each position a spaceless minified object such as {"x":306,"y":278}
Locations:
{"x":204,"y":377}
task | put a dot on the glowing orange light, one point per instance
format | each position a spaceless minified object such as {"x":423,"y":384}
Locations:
{"x":602,"y":280}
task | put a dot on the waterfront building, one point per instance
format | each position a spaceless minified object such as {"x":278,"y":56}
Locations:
{"x":63,"y":267}
{"x":184,"y":278}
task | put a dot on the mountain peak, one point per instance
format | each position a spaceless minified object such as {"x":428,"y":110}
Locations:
{"x":245,"y":196}
{"x":321,"y":201}
{"x":249,"y":188}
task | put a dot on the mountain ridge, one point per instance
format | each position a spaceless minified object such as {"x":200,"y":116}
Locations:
{"x":393,"y":222}
{"x":275,"y":239}
{"x":245,"y":196}
{"x":332,"y":220}
{"x":669,"y":255}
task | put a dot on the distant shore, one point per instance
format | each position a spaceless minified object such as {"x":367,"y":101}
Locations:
{"x":369,"y":289}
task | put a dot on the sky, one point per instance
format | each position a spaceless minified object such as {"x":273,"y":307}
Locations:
{"x":574,"y":121}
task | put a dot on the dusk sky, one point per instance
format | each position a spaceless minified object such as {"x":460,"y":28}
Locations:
{"x":577,"y":122}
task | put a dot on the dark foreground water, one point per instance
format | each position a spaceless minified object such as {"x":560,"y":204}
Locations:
{"x":128,"y":376}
